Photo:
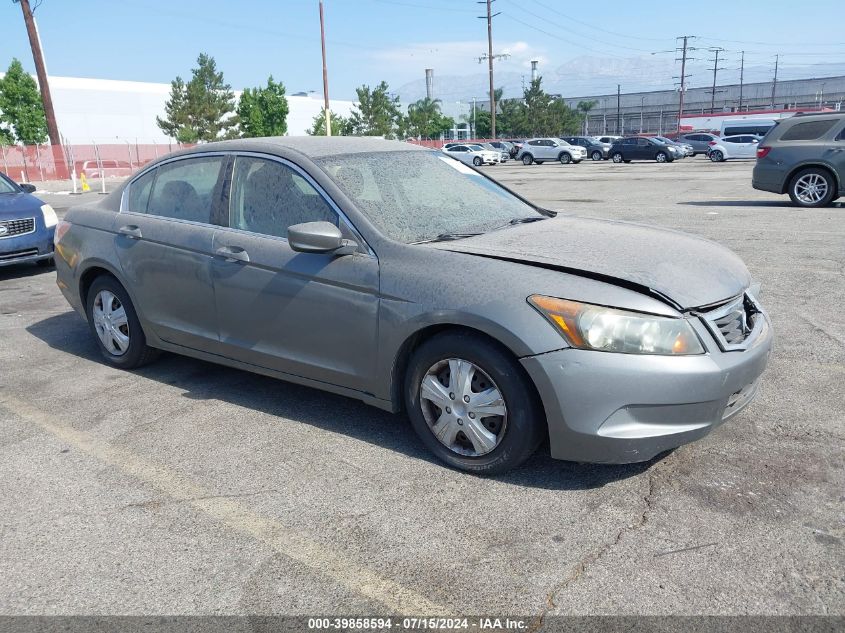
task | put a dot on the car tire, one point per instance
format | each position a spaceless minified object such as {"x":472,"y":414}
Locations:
{"x":596,"y":155}
{"x":564,"y":158}
{"x":527,"y":159}
{"x":617,"y":158}
{"x":477,"y":161}
{"x":137,"y":352}
{"x":46,"y":263}
{"x":520,"y":430}
{"x":812,"y":187}
{"x":661,"y":157}
{"x":716,"y":156}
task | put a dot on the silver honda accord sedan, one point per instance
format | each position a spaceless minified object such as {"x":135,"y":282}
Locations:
{"x":394,"y":274}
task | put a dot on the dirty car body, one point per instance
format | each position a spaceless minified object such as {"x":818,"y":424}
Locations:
{"x":616,"y":341}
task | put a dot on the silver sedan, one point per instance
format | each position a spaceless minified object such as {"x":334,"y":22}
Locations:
{"x":393,"y":274}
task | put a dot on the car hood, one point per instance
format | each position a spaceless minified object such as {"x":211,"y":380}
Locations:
{"x":13,"y":205}
{"x":685,"y":270}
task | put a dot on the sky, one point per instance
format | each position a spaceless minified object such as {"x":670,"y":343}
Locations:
{"x":583,"y":48}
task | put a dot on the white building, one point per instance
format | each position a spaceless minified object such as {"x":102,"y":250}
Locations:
{"x":112,"y":111}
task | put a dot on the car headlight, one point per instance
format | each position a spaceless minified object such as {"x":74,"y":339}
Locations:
{"x":594,"y":327}
{"x":50,"y":217}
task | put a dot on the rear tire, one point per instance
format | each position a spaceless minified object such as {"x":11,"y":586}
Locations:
{"x":513,"y":437}
{"x":527,"y":159}
{"x":716,"y":156}
{"x":136,"y":352}
{"x":617,"y":157}
{"x":812,"y":187}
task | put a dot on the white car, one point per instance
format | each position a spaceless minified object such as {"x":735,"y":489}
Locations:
{"x":473,"y":154}
{"x":538,"y":150}
{"x":739,"y":146}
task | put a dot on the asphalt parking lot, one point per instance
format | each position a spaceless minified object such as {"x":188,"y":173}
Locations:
{"x":188,"y":488}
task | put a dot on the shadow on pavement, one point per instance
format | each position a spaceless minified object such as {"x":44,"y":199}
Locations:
{"x":201,"y":380}
{"x":752,"y":203}
{"x":28,"y":269}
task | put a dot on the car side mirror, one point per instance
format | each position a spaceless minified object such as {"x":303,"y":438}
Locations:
{"x":319,"y":237}
{"x":27,"y":187}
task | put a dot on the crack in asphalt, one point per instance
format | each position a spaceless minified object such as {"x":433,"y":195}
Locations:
{"x":599,"y":553}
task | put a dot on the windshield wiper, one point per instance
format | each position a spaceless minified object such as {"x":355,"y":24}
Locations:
{"x":447,"y":237}
{"x":532,"y":218}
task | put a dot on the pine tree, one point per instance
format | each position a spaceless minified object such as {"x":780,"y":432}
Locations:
{"x":21,"y":108}
{"x":377,"y":112}
{"x":203,"y":108}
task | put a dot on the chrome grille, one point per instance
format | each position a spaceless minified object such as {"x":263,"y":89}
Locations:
{"x":16,"y":227}
{"x":731,"y":324}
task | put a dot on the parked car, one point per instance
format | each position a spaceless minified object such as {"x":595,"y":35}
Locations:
{"x":685,"y":148}
{"x":473,"y":154}
{"x":539,"y":150}
{"x":27,"y":225}
{"x":504,"y":156}
{"x":804,"y":156}
{"x":741,"y":146}
{"x":700,"y":141}
{"x":517,"y":144}
{"x":386,"y":272}
{"x":641,"y":148}
{"x":595,"y":149}
{"x":608,"y":139}
{"x":505,"y":146}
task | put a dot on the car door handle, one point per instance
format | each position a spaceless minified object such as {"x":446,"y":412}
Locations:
{"x":131,"y":231}
{"x":233,"y":254}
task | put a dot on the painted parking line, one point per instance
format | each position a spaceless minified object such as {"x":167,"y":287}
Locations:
{"x":297,"y":547}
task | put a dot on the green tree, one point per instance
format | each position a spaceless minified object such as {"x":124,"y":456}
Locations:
{"x":21,"y":108}
{"x":425,"y":119}
{"x":202,"y":109}
{"x":263,"y":111}
{"x":583,"y":109}
{"x":341,"y":126}
{"x":377,"y":113}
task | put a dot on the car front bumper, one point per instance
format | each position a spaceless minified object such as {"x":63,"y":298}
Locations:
{"x":31,"y":247}
{"x":623,"y":408}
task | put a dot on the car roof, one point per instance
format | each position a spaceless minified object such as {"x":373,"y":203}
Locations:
{"x":310,"y":146}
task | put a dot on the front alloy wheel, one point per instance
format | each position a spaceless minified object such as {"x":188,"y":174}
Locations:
{"x":472,"y":403}
{"x":527,"y":159}
{"x":596,"y":155}
{"x":477,"y":161}
{"x":564,"y":158}
{"x":463,"y":407}
{"x":661,"y":157}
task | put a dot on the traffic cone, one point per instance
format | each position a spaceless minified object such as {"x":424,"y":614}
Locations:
{"x":84,"y":181}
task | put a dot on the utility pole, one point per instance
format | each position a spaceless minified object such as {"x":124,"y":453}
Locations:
{"x":618,"y":107}
{"x":41,"y":71}
{"x":775,"y":81}
{"x":685,"y":49}
{"x":716,"y":69}
{"x":327,"y":115}
{"x":642,"y":107}
{"x":474,"y":132}
{"x":741,"y":78}
{"x":490,"y":17}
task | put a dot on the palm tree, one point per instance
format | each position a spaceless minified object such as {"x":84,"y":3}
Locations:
{"x":424,"y":117}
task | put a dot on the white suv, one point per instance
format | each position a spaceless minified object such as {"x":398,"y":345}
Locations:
{"x":538,"y":150}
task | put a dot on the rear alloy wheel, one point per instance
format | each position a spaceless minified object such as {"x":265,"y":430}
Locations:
{"x":477,"y":161}
{"x":596,"y":155}
{"x":617,"y":157}
{"x":115,"y":325}
{"x":564,"y":158}
{"x":812,"y":187}
{"x":661,"y":157}
{"x":717,"y":156}
{"x":527,"y":159}
{"x":472,"y":404}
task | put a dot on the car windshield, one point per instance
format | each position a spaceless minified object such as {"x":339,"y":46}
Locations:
{"x":417,"y":196}
{"x":6,"y":186}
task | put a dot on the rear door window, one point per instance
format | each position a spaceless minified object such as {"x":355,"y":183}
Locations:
{"x":139,"y":192}
{"x":186,"y":189}
{"x":808,"y":131}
